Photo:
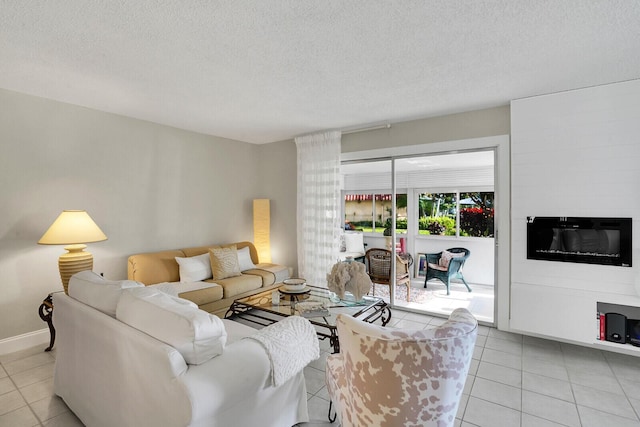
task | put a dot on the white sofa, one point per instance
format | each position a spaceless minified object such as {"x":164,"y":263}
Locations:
{"x":112,"y":374}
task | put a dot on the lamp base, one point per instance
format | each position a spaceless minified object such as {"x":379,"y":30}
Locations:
{"x":74,"y":261}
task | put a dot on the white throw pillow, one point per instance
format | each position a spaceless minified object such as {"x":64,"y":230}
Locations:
{"x":244,"y":259}
{"x":354,"y":242}
{"x":194,"y":268}
{"x":94,"y":290}
{"x":196,"y":334}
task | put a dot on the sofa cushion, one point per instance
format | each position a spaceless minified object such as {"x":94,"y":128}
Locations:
{"x":200,"y":293}
{"x":224,"y":262}
{"x":270,"y":273}
{"x":240,"y":284}
{"x":204,"y":296}
{"x":94,"y":290}
{"x":196,"y":334}
{"x":244,"y":259}
{"x":195,"y":268}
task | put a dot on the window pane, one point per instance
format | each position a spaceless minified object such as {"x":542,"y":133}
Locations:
{"x":383,"y":211}
{"x":437,"y":213}
{"x":401,"y":213}
{"x":476,"y":214}
{"x":358,"y":212}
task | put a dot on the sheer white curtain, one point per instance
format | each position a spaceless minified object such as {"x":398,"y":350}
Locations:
{"x":318,"y":204}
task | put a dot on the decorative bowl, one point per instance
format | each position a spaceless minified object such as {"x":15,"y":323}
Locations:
{"x":295,"y":284}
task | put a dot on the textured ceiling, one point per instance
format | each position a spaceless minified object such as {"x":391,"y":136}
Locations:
{"x":262,"y":71}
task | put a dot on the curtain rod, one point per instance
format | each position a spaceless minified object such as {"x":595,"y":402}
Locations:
{"x":384,"y":126}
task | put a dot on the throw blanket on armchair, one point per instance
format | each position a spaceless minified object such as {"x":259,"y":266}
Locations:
{"x":290,"y":344}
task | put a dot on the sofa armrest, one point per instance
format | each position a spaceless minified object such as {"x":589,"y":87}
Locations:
{"x":106,"y":371}
{"x":157,"y":267}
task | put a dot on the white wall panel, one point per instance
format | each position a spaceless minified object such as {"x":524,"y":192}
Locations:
{"x":574,"y":153}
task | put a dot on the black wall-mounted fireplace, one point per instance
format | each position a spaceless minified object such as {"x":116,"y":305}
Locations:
{"x":580,"y":239}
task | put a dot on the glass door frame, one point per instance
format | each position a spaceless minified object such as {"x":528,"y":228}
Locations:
{"x":427,"y":153}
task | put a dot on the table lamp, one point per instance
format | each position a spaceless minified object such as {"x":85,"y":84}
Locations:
{"x":74,"y":229}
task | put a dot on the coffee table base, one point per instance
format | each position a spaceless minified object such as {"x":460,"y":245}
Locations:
{"x":264,"y":316}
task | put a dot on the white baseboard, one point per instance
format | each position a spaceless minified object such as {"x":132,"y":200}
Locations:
{"x":24,"y":341}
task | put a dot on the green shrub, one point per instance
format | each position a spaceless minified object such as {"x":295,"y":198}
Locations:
{"x":449,"y":224}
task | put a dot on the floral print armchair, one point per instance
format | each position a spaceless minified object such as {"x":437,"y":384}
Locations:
{"x":394,"y":377}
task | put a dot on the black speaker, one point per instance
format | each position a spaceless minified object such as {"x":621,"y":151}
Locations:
{"x":616,"y":327}
{"x":633,"y":331}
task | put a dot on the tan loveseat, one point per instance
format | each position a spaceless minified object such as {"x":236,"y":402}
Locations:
{"x":213,"y":296}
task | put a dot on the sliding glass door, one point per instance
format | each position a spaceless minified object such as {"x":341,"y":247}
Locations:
{"x":436,"y":202}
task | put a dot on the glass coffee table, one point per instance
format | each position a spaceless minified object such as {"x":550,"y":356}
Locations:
{"x":261,"y":310}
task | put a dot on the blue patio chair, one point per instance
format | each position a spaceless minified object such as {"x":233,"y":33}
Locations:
{"x":448,"y":268}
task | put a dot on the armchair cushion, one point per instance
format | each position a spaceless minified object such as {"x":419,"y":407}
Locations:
{"x":437,"y":267}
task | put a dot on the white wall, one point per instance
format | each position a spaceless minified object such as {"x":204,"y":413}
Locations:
{"x":278,"y":181}
{"x":433,"y":130}
{"x":574,"y":153}
{"x":149,"y":187}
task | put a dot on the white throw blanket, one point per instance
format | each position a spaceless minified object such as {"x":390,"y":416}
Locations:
{"x":290,"y":344}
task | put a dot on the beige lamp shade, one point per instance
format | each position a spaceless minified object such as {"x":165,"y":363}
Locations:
{"x":262,"y":229}
{"x":74,"y":229}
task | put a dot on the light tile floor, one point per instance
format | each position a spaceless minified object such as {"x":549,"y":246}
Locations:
{"x":479,"y":302}
{"x":514,"y":381}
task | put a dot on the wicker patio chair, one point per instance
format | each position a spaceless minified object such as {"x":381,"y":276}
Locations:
{"x":378,"y":263}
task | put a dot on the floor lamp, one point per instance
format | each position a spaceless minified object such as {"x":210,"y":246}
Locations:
{"x":262,"y":229}
{"x":74,"y":229}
